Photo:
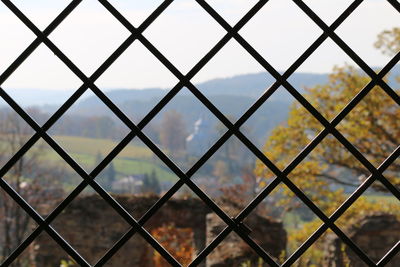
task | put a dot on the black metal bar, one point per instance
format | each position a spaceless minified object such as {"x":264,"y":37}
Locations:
{"x":348,"y":50}
{"x":316,"y":114}
{"x":393,"y":252}
{"x":50,"y":122}
{"x":177,"y":73}
{"x":233,"y":129}
{"x":115,"y":109}
{"x":356,"y":194}
{"x":377,"y":79}
{"x":267,"y":66}
{"x":39,"y":220}
{"x":28,"y":51}
{"x":95,"y":186}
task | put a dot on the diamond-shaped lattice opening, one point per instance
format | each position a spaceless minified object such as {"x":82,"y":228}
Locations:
{"x":372,"y":126}
{"x":328,"y":174}
{"x":12,"y":42}
{"x":332,"y":89}
{"x":228,"y":177}
{"x":183,"y":40}
{"x":138,"y":176}
{"x":89,"y":35}
{"x":233,"y":95}
{"x":239,"y":254}
{"x":42,"y":83}
{"x":372,"y":223}
{"x":42,"y":12}
{"x":327,"y":10}
{"x":360,"y":21}
{"x":133,"y":71}
{"x":180,"y":225}
{"x":91,"y":226}
{"x":93,"y":133}
{"x":232,"y":11}
{"x":281,"y":223}
{"x":42,"y":177}
{"x":16,"y":226}
{"x":136,"y":11}
{"x":282,"y":42}
{"x":186,"y":129}
{"x":281,"y":128}
{"x":88,"y":131}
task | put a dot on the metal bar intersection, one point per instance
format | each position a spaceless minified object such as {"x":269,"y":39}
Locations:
{"x":233,"y":224}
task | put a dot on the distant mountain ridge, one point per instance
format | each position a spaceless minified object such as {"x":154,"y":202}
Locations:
{"x":248,"y":85}
{"x":232,"y":96}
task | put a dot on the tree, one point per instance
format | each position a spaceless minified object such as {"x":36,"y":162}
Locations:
{"x":178,"y":241}
{"x":99,"y":158}
{"x":110,"y":176}
{"x":173,"y":133}
{"x":151,"y":183}
{"x":237,"y":196}
{"x":155,"y":182}
{"x":146,"y":187}
{"x":30,"y":178}
{"x":373,"y":127}
{"x":389,"y":41}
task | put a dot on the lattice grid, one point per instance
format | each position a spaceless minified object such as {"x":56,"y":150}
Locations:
{"x":233,"y":224}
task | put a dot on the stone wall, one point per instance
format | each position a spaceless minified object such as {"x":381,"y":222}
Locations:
{"x":92,"y":227}
{"x":233,"y":251}
{"x":373,"y":234}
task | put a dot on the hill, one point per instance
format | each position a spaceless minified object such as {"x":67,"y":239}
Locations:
{"x":233,"y":96}
{"x":249,"y":85}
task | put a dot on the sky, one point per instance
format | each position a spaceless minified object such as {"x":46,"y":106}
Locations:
{"x":184,"y":33}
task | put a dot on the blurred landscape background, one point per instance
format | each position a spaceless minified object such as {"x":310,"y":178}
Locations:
{"x":185,"y":130}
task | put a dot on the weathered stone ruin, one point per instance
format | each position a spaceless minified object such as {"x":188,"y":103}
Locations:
{"x":373,"y":234}
{"x":268,"y":234}
{"x":92,"y":227}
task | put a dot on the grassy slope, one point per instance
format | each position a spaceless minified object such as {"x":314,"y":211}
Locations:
{"x":90,"y":146}
{"x":133,"y":160}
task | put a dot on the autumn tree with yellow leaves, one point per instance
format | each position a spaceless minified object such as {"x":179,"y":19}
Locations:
{"x":373,"y":127}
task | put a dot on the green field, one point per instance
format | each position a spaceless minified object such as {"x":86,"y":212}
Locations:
{"x":134,"y":159}
{"x":90,"y":146}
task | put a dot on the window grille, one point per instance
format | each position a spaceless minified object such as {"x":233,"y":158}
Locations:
{"x":233,"y":224}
